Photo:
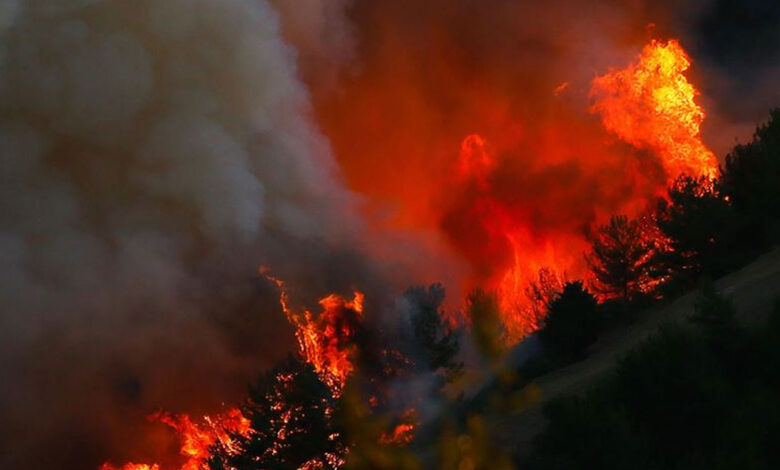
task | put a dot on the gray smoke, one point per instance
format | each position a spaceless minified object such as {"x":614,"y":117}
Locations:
{"x":154,"y":155}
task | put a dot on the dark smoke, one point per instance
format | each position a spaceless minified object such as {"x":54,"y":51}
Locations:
{"x":154,"y":155}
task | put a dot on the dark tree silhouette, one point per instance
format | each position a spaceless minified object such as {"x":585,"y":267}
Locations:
{"x":486,"y":327}
{"x":573,"y":321}
{"x":685,"y":399}
{"x":700,"y":228}
{"x":435,"y":345}
{"x":621,"y":259}
{"x":751,"y":180}
{"x":292,"y":415}
{"x":540,"y":292}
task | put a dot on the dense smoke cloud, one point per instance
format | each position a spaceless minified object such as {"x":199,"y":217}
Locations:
{"x":154,"y":155}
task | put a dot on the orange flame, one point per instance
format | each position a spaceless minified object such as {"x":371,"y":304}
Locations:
{"x":325,"y":340}
{"x":651,"y":105}
{"x":403,"y":433}
{"x":197,"y":439}
{"x":474,"y":161}
{"x":130,"y":466}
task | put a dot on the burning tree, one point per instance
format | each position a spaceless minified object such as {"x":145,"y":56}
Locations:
{"x":540,"y":293}
{"x":340,"y":391}
{"x":622,"y":259}
{"x":292,"y":415}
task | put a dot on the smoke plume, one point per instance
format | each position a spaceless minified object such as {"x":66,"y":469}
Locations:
{"x":154,"y":155}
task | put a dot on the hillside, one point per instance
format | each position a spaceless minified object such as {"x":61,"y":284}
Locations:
{"x":753,"y":289}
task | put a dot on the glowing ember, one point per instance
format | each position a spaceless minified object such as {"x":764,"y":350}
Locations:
{"x":650,"y":104}
{"x":197,"y":439}
{"x":402,"y":434}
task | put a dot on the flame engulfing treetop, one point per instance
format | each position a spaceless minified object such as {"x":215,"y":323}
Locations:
{"x":650,"y":104}
{"x":326,"y":340}
{"x":521,"y":214}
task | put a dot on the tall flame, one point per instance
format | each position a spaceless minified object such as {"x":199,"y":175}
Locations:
{"x":325,"y":340}
{"x":651,"y":105}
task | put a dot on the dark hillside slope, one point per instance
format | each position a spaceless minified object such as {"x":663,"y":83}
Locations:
{"x":753,"y":290}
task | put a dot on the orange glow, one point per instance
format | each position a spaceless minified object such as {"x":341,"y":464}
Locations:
{"x":474,"y":160}
{"x":130,"y":466}
{"x":325,"y":340}
{"x":524,"y":245}
{"x":403,"y":433}
{"x":651,"y":105}
{"x":197,"y":440}
{"x":536,"y":259}
{"x":560,"y":88}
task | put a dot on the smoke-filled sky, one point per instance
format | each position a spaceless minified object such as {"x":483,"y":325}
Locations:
{"x":155,"y":153}
{"x":422,"y":76}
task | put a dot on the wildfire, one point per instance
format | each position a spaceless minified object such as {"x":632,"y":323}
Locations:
{"x":651,"y":105}
{"x":325,"y":340}
{"x":131,"y":466}
{"x":197,"y":440}
{"x":537,"y":259}
{"x":474,"y":161}
{"x":514,"y":242}
{"x":403,"y":432}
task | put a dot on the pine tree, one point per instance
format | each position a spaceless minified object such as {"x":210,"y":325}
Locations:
{"x":573,"y":320}
{"x":292,"y":415}
{"x":700,"y":227}
{"x":621,"y":259}
{"x":435,"y":343}
{"x":751,"y":181}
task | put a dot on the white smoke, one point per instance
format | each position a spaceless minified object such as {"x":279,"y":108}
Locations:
{"x":153,"y":153}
